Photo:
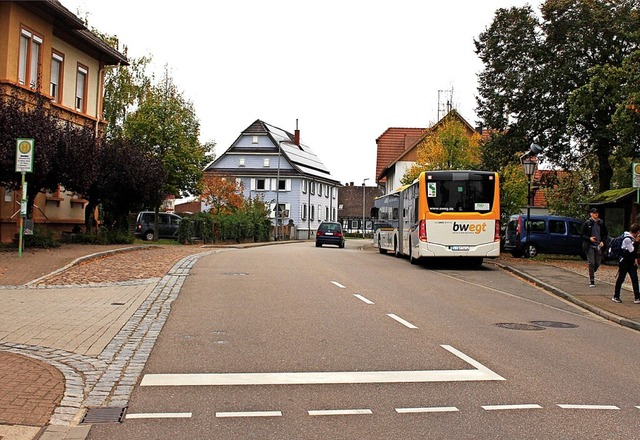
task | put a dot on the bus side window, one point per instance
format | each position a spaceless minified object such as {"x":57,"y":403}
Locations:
{"x":415,"y":210}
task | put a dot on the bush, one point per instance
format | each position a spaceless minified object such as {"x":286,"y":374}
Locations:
{"x":42,"y":238}
{"x":196,"y":227}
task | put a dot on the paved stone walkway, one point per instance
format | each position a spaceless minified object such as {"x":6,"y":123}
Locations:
{"x":87,"y":341}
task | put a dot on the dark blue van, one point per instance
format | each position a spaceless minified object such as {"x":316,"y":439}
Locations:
{"x":548,"y":234}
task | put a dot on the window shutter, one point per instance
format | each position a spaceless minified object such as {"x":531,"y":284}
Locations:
{"x":272,"y":213}
{"x":287,"y":185}
{"x":253,"y":184}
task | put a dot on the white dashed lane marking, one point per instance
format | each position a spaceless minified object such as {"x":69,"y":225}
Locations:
{"x":337,"y":284}
{"x":507,"y":407}
{"x":339,"y":412}
{"x":159,"y":416}
{"x":249,"y":414}
{"x":432,"y":409}
{"x":401,"y":321}
{"x":363,"y":299}
{"x":567,"y":406}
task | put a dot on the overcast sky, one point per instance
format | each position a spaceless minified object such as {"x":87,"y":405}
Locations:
{"x":347,"y":70}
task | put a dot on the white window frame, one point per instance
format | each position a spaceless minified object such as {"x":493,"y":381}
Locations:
{"x":265,"y":162}
{"x":304,"y":187}
{"x":55,"y":84}
{"x":29,"y":58}
{"x":241,"y":162}
{"x":303,"y":211}
{"x":312,"y":212}
{"x":254,"y":139}
{"x":82,"y":77}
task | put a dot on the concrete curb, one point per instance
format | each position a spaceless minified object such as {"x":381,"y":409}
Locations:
{"x":571,"y":298}
{"x":86,"y":258}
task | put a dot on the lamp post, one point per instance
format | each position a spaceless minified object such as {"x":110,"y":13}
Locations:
{"x":363,"y":203}
{"x":277,"y":213}
{"x":529,"y":166}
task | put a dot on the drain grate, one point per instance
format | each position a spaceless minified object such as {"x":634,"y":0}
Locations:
{"x":516,"y":326}
{"x":554,"y":324}
{"x":104,"y":415}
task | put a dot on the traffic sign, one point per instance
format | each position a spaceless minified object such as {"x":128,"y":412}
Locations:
{"x":24,"y":155}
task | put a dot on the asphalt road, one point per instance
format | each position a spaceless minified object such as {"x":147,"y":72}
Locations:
{"x":298,"y":342}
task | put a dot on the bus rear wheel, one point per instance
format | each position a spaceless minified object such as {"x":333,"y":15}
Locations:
{"x":380,"y":249}
{"x":412,"y":259}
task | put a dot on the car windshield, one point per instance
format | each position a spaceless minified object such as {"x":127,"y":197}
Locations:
{"x":330,"y":227}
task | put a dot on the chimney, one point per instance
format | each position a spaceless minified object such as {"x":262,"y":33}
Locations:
{"x":296,"y":135}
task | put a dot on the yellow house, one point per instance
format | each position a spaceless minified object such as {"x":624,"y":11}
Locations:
{"x":47,"y":49}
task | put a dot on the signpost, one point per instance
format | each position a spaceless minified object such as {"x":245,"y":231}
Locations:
{"x":24,"y":164}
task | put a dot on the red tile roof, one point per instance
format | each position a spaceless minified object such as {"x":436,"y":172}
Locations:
{"x":392,"y":143}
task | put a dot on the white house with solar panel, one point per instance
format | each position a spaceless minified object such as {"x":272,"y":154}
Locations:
{"x":264,"y":158}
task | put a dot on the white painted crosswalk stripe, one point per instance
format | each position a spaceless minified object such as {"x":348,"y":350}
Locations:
{"x":479,"y":373}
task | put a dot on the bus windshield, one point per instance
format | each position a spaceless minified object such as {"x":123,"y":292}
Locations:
{"x":457,"y":191}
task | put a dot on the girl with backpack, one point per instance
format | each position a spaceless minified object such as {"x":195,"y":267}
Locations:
{"x":628,"y":263}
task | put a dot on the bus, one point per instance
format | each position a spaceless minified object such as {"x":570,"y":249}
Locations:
{"x":452,"y":213}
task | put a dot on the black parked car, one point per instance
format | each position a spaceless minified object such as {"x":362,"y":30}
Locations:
{"x":330,"y":233}
{"x":145,"y":226}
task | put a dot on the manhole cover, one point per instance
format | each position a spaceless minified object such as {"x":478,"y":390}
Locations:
{"x":516,"y":326}
{"x":236,"y":274}
{"x":554,"y":324}
{"x":104,"y":415}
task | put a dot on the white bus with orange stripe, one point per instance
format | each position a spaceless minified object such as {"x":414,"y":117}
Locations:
{"x":453,"y":213}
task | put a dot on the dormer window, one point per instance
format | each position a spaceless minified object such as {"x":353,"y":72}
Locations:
{"x":241,"y":164}
{"x":265,"y":163}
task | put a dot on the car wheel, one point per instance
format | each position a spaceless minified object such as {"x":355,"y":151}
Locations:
{"x":532,"y":250}
{"x":342,"y":245}
{"x":318,"y":244}
{"x":148,"y":236}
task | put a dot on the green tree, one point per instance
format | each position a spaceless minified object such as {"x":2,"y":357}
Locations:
{"x":448,"y":146}
{"x":166,"y":125}
{"x":513,"y":191}
{"x":532,"y":67}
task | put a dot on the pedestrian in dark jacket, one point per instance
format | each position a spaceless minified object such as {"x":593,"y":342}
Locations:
{"x":628,"y":263}
{"x":594,"y":234}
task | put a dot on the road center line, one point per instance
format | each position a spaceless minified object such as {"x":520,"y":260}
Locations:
{"x":159,"y":416}
{"x":335,"y":283}
{"x":401,"y":321}
{"x":363,"y":299}
{"x":505,"y":407}
{"x":249,"y":414}
{"x":478,"y":373}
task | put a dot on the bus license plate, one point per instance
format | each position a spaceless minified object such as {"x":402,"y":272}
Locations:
{"x":459,"y":248}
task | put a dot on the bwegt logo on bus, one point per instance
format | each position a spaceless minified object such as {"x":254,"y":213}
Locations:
{"x":475,"y":228}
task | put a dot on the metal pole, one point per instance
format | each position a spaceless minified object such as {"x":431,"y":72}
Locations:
{"x":277,"y":198}
{"x":363,"y":204}
{"x":528,"y":225}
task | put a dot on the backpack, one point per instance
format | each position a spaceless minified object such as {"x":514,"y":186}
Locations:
{"x":614,"y":251}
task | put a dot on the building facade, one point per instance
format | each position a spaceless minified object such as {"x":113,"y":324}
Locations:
{"x":273,"y":165}
{"x":46,"y":50}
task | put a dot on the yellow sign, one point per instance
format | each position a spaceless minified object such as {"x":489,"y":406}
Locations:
{"x":24,"y":156}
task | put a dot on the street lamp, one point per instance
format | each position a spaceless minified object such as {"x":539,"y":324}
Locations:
{"x":277,"y":213}
{"x":529,"y":166}
{"x":363,"y":203}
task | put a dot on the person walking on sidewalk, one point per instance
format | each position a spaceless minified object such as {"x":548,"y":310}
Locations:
{"x":628,"y":263}
{"x":594,"y":234}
